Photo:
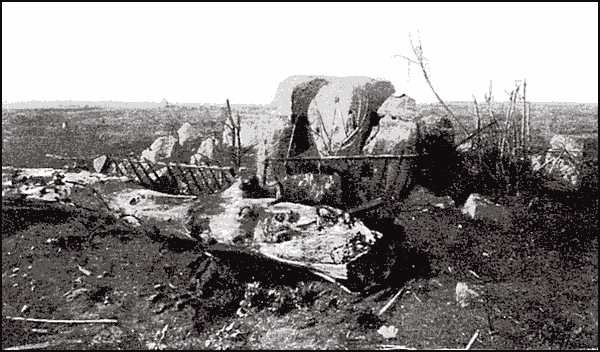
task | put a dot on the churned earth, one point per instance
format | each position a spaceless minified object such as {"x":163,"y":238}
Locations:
{"x":535,"y":276}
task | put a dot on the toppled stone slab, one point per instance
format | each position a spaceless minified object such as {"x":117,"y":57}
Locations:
{"x":321,"y":238}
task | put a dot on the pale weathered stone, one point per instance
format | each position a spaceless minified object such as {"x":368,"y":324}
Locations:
{"x":100,"y":163}
{"x":561,"y":162}
{"x":205,"y":151}
{"x":479,"y":208}
{"x":161,"y":149}
{"x":464,"y":294}
{"x":401,"y":107}
{"x":186,"y":133}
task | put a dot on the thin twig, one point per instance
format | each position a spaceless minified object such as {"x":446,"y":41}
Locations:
{"x":478,"y":123}
{"x":556,"y":161}
{"x":96,"y":193}
{"x":162,"y":336}
{"x":472,"y":340}
{"x":330,"y":279}
{"x":239,"y":141}
{"x":420,"y":60}
{"x":524,"y":140}
{"x":475,"y":134}
{"x":395,"y":347}
{"x":474,"y":274}
{"x":391,"y":301}
{"x":328,"y":141}
{"x":37,"y":346}
{"x":289,"y":150}
{"x":233,"y":129}
{"x":65,"y":321}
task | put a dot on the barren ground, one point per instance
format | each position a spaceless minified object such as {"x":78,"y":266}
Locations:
{"x":537,"y":277}
{"x":536,"y":273}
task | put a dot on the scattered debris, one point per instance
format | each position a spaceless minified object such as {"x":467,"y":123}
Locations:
{"x":84,"y":270}
{"x":39,"y":331}
{"x":437,"y":282}
{"x":163,"y":307}
{"x":72,"y":294}
{"x":155,"y":297}
{"x":474,"y":273}
{"x":161,"y":336}
{"x":388,"y":332}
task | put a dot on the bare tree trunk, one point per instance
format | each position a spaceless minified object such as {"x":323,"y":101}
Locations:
{"x":236,"y":153}
{"x":238,"y":141}
{"x":524,"y":137}
{"x":477,"y":123}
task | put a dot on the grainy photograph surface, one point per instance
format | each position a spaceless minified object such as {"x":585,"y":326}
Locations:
{"x":383,"y":176}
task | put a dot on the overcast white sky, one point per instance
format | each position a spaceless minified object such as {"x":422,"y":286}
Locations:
{"x":199,"y":52}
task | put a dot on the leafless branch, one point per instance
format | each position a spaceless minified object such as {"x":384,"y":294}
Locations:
{"x":420,"y":60}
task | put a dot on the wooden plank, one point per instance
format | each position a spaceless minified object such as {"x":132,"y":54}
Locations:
{"x":349,"y":157}
{"x":171,"y":173}
{"x":126,"y":169}
{"x":66,"y":321}
{"x":182,"y":174}
{"x":200,"y":167}
{"x":117,"y":167}
{"x":196,"y":183}
{"x":42,"y":345}
{"x":381,"y":181}
{"x":135,"y":170}
{"x":151,"y":167}
{"x":215,"y":179}
{"x":205,"y":181}
{"x":146,"y":173}
{"x":264,"y":181}
{"x":367,"y":206}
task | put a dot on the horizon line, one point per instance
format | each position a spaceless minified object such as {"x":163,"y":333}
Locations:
{"x":82,"y":103}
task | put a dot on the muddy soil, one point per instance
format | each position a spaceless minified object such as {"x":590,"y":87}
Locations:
{"x":536,"y":278}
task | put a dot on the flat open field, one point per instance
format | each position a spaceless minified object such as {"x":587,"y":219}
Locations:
{"x":27,"y":135}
